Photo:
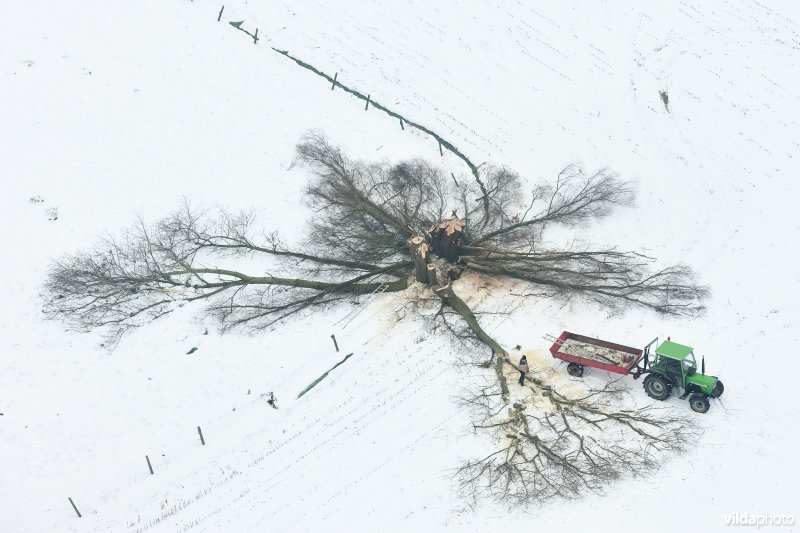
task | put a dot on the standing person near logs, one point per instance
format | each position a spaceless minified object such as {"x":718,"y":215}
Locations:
{"x":523,"y":369}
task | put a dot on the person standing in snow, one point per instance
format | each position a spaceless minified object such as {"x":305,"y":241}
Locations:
{"x":523,"y":369}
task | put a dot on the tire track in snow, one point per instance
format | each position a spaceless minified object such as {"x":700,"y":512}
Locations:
{"x":333,"y":441}
{"x":329,"y":438}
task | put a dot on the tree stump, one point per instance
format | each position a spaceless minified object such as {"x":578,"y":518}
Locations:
{"x":432,"y":278}
{"x":447,"y":239}
{"x":419,"y":254}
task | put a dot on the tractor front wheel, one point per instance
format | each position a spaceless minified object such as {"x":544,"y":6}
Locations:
{"x":657,"y":387}
{"x":699,"y":403}
{"x":575,"y":370}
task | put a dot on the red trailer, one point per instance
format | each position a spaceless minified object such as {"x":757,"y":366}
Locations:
{"x":581,"y":351}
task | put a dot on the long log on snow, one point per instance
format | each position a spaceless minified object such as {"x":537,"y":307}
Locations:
{"x":450,"y":298}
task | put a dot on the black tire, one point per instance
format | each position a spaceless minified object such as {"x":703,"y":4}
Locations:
{"x":575,"y":370}
{"x":699,"y":403}
{"x":657,"y":387}
{"x":721,"y":389}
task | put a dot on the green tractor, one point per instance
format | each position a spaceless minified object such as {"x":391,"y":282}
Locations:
{"x":674,"y":365}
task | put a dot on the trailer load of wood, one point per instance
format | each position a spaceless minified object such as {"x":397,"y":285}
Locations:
{"x":595,"y":352}
{"x":580,"y":351}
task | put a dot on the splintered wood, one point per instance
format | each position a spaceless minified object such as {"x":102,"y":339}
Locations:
{"x":450,"y":225}
{"x":600,"y":354}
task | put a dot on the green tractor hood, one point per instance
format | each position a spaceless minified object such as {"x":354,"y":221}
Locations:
{"x":707,"y":384}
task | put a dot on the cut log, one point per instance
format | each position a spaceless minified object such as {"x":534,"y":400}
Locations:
{"x":432,"y":278}
{"x":419,"y":254}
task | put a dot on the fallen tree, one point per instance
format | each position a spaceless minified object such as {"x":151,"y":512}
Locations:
{"x":378,"y":227}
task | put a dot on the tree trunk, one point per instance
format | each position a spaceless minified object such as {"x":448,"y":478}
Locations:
{"x":450,"y":298}
{"x":419,"y":254}
{"x":448,"y":240}
{"x":432,"y":278}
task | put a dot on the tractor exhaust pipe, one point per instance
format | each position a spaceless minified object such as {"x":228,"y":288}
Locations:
{"x":703,"y":365}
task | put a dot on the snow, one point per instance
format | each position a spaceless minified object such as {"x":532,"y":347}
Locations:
{"x":114,"y":109}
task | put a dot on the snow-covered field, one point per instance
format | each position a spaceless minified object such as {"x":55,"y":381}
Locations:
{"x":112,"y":109}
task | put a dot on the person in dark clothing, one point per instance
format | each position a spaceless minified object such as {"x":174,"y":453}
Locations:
{"x":523,"y":369}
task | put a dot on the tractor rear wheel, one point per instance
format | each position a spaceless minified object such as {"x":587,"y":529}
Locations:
{"x":657,"y":387}
{"x":699,"y":403}
{"x":575,"y":370}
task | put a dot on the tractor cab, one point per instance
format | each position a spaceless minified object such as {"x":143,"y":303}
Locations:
{"x":674,"y":365}
{"x":676,"y":361}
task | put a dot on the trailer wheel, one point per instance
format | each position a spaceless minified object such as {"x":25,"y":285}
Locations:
{"x":657,"y":387}
{"x":575,"y":370}
{"x":699,"y":403}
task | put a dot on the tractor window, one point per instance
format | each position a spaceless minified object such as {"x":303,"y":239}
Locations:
{"x":673,"y":369}
{"x":689,"y":365}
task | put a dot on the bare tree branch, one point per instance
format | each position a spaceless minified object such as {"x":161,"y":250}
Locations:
{"x":557,"y":445}
{"x":573,"y":199}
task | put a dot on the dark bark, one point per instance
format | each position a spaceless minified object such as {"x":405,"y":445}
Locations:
{"x":448,"y":239}
{"x":418,"y":249}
